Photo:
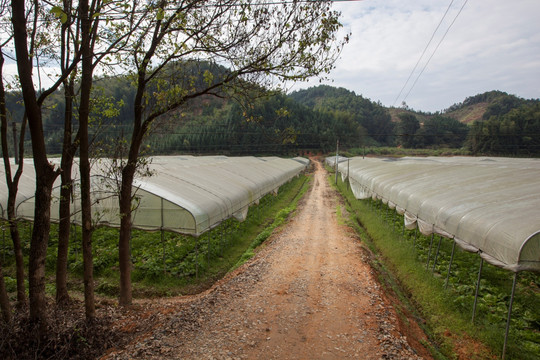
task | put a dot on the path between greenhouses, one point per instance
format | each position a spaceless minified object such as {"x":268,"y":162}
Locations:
{"x":308,"y":294}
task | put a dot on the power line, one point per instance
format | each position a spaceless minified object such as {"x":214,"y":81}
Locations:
{"x":230,"y":5}
{"x":423,"y":52}
{"x":436,"y":48}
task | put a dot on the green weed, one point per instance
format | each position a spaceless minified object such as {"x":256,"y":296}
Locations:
{"x":444,"y":295}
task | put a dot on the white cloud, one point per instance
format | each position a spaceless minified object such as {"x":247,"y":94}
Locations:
{"x":493,"y":45}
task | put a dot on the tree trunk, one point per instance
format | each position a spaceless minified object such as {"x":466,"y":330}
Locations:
{"x":62,"y":295}
{"x":4,"y":299}
{"x":64,"y":226}
{"x":45,"y":173}
{"x":17,"y":249}
{"x":86,"y":204}
{"x":45,"y":177}
{"x":124,"y":254}
{"x":12,"y":184}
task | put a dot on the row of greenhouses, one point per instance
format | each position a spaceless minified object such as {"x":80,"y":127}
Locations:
{"x":183,"y":194}
{"x":487,"y":206}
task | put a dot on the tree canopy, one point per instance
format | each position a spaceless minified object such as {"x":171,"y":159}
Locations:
{"x":172,"y":52}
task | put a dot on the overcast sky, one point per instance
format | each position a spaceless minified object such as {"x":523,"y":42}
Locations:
{"x":492,"y":45}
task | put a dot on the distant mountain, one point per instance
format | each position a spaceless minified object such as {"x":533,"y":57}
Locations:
{"x":483,"y":106}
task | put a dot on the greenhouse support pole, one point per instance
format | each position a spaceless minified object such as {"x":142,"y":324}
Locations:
{"x":450,"y":265}
{"x":163,"y":244}
{"x":225,"y":233}
{"x":509,"y":314}
{"x":163,"y":238}
{"x":196,"y":257}
{"x":208,"y":250}
{"x":221,"y":240}
{"x":436,"y":254}
{"x":429,"y":252}
{"x":477,"y":288}
{"x":257,"y":210}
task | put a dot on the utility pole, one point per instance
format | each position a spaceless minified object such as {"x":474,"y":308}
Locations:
{"x":337,"y":150}
{"x":15,"y":143}
{"x":348,"y":178}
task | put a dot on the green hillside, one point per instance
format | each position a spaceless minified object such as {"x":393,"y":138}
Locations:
{"x":310,"y":120}
{"x":373,"y":118}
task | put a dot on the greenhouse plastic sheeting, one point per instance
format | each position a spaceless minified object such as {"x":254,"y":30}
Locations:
{"x":331,"y":160}
{"x":488,"y":205}
{"x":185,"y":194}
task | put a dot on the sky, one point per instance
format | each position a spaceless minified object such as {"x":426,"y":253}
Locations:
{"x":479,"y":46}
{"x":489,"y":45}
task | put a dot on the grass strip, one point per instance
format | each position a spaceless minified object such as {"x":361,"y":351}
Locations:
{"x":448,"y":326}
{"x":167,"y":264}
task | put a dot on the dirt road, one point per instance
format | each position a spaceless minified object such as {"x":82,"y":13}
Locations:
{"x":309,"y":294}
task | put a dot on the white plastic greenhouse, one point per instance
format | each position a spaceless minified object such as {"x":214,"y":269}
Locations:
{"x":489,"y":206}
{"x":185,"y":194}
{"x":331,"y":160}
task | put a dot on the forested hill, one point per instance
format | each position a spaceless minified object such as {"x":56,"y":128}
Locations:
{"x":307,"y":120}
{"x":373,"y":118}
{"x":490,"y":123}
{"x":474,"y":108}
{"x":483,"y":106}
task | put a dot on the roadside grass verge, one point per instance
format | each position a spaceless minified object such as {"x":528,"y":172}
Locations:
{"x":164,"y":264}
{"x":411,"y":266}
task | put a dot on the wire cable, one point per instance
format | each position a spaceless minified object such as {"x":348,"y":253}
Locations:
{"x":423,"y":52}
{"x":435,"y":50}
